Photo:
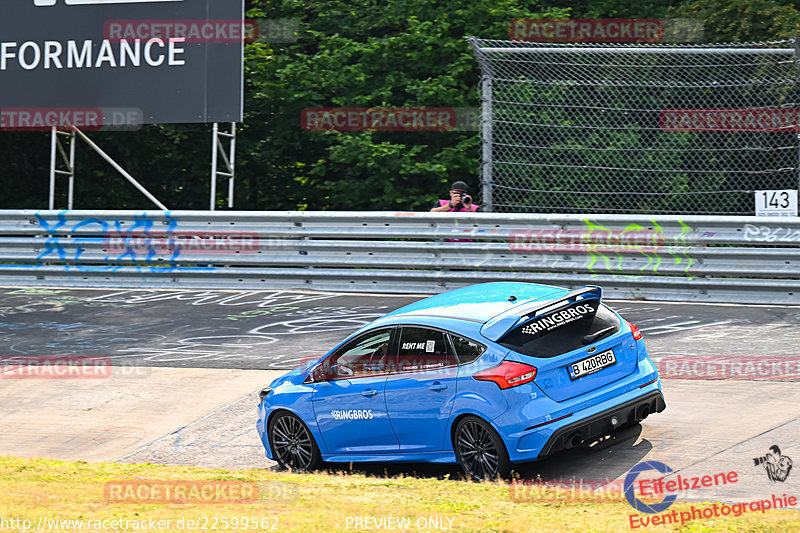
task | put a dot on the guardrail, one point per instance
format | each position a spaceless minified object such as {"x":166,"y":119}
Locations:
{"x":690,"y":258}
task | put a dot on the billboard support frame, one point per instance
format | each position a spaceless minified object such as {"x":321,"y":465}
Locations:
{"x":218,"y":151}
{"x":91,"y":58}
{"x":68,"y":160}
{"x":219,"y":138}
{"x":73,"y":133}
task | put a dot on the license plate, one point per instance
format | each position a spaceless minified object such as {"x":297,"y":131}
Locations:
{"x":592,"y":364}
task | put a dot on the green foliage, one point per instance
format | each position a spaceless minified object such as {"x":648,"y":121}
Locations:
{"x":359,"y":54}
{"x":743,"y":20}
{"x":362,"y":53}
{"x":409,"y":53}
{"x":616,"y":8}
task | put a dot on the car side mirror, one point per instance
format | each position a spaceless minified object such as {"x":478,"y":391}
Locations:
{"x":320,"y":373}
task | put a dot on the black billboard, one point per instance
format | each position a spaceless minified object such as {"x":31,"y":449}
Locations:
{"x":150,"y":61}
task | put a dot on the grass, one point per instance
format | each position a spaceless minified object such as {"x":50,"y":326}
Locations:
{"x":326,"y":502}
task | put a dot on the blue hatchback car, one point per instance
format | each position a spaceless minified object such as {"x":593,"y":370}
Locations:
{"x":486,"y":376}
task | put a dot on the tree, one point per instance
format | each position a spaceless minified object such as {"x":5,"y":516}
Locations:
{"x":743,"y":20}
{"x":400,"y":53}
{"x":364,"y":53}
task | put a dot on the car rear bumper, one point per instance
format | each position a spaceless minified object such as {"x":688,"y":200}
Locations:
{"x":581,"y":423}
{"x":603,"y":423}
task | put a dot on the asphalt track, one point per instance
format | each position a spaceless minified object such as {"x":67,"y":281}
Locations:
{"x":277,"y":330}
{"x":188,"y":365}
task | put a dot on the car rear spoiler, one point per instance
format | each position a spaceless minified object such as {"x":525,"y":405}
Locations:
{"x":496,"y":327}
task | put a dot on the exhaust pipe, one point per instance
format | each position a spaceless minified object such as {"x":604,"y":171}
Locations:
{"x":575,"y":440}
{"x":643,"y":411}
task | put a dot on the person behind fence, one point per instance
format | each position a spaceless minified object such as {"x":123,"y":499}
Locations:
{"x":460,"y":200}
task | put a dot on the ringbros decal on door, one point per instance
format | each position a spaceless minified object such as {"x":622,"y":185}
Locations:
{"x":352,"y":414}
{"x":559,"y":318}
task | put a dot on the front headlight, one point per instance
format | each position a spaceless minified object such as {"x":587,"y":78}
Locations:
{"x":263,"y":393}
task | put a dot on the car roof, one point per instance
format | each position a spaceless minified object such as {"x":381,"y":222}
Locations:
{"x":469,"y":307}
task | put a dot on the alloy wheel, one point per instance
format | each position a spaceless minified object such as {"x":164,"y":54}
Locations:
{"x":477,"y":450}
{"x":292,"y":443}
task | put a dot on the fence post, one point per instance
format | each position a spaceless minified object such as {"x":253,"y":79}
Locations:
{"x":486,"y":138}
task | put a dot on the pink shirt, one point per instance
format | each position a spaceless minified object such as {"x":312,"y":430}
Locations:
{"x":472,"y":207}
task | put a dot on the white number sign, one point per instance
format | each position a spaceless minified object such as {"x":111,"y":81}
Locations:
{"x":782,"y":203}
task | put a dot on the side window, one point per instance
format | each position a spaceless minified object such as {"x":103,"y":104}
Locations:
{"x":467,"y":350}
{"x":423,"y":349}
{"x":363,"y":356}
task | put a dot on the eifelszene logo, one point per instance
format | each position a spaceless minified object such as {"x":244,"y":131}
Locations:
{"x":777,"y":466}
{"x":630,"y":494}
{"x":669,"y":488}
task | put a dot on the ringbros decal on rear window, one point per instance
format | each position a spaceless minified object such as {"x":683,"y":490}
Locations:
{"x":558,"y":330}
{"x":559,"y":318}
{"x":352,"y":414}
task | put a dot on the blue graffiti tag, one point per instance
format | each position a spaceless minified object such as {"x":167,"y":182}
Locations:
{"x":66,"y":242}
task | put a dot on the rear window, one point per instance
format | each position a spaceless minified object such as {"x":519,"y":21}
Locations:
{"x":562,"y":330}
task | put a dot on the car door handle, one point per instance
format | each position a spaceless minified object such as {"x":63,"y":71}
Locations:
{"x":369,"y":392}
{"x":436,"y":385}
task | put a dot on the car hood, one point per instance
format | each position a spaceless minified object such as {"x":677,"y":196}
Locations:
{"x":296,"y":376}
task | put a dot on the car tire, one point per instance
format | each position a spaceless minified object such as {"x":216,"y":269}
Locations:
{"x":479,"y":450}
{"x":293,"y":446}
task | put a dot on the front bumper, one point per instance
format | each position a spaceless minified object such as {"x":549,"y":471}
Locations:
{"x":261,"y":428}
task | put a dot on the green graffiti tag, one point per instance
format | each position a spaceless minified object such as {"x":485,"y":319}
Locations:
{"x":607,"y":247}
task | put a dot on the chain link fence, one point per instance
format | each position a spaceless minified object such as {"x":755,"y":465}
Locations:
{"x":588,"y":128}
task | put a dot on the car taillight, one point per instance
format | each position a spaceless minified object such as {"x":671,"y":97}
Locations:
{"x":507,"y":374}
{"x":637,"y":335}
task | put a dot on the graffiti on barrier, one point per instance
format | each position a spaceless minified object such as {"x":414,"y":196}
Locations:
{"x":609,"y":249}
{"x":67,"y":240}
{"x":773,"y":234}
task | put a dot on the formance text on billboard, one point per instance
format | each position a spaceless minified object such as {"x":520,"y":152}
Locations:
{"x":31,"y":55}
